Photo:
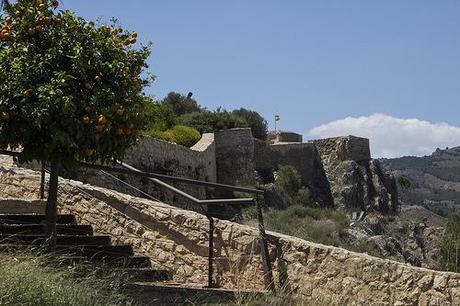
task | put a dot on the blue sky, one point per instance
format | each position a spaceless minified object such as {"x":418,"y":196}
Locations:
{"x":313,"y":62}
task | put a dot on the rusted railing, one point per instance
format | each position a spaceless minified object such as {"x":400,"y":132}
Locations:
{"x":159,"y":179}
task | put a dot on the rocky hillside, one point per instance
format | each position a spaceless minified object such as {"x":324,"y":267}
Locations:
{"x":431,"y":181}
{"x":357,"y":181}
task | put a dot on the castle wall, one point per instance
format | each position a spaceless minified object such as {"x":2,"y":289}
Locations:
{"x":154,"y":155}
{"x":343,"y":148}
{"x":235,"y":157}
{"x":303,"y":157}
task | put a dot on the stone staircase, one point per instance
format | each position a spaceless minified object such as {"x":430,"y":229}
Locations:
{"x":77,"y":244}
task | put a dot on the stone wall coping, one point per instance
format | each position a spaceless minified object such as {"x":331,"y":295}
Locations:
{"x":207,"y":140}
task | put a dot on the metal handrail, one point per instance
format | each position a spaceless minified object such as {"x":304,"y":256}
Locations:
{"x":268,"y":274}
{"x":170,"y":178}
{"x":156,"y":178}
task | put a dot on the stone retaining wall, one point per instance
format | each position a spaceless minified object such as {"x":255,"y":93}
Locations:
{"x":154,"y":155}
{"x":176,"y":239}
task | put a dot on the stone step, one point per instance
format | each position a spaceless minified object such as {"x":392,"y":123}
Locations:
{"x":146,"y":274}
{"x":92,"y":251}
{"x":182,"y":294}
{"x":114,"y":262}
{"x":75,"y":240}
{"x":97,"y":251}
{"x":34,"y":219}
{"x":30,"y":229}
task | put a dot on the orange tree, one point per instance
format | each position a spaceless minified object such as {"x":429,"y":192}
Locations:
{"x":70,"y":90}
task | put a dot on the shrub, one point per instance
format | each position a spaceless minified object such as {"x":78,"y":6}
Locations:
{"x":180,"y":104}
{"x":208,"y":122}
{"x":404,"y":182}
{"x":182,"y":135}
{"x":185,"y":135}
{"x":157,"y":117}
{"x":212,"y":121}
{"x":304,"y":197}
{"x":450,"y":245}
{"x":253,"y":120}
{"x":287,"y":183}
{"x":304,"y":222}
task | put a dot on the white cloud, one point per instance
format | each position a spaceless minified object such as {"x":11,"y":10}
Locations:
{"x":392,"y":137}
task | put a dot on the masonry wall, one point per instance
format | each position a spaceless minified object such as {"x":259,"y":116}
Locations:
{"x":344,"y":148}
{"x":303,"y":157}
{"x":176,"y":239}
{"x":235,"y":157}
{"x":154,"y":155}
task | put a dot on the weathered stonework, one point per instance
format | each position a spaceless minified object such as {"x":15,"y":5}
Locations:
{"x":235,"y":157}
{"x":339,"y":171}
{"x":356,"y":181}
{"x":283,"y":136}
{"x":303,"y":157}
{"x":339,"y":149}
{"x":154,"y":155}
{"x":176,"y":239}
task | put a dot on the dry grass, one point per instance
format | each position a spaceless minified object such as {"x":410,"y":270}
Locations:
{"x":34,"y":280}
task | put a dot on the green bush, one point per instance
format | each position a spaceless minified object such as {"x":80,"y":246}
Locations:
{"x":288,"y":185}
{"x":450,"y":245}
{"x":404,"y":182}
{"x":212,"y":121}
{"x":158,"y":117}
{"x":185,"y":135}
{"x":27,"y":280}
{"x":288,"y":181}
{"x":182,"y":135}
{"x":307,"y":223}
{"x":208,"y":122}
{"x":180,"y":104}
{"x":253,"y":120}
{"x":304,"y":197}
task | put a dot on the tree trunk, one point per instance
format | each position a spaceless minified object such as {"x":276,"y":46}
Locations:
{"x":51,"y":206}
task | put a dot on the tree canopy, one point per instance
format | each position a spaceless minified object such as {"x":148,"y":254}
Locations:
{"x":177,"y":109}
{"x":69,"y":89}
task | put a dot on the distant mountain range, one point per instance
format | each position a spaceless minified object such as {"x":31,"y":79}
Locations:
{"x":431,"y":181}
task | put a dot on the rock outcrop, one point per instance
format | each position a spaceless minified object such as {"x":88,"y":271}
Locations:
{"x":412,"y":236}
{"x":357,"y":182}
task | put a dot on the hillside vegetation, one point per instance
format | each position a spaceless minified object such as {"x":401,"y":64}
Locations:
{"x":431,"y":181}
{"x":180,"y":119}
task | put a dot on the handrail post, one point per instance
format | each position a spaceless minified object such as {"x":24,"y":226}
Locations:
{"x":42,"y":181}
{"x":210,"y":252}
{"x":267,"y":267}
